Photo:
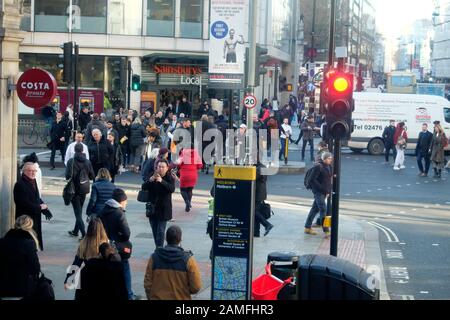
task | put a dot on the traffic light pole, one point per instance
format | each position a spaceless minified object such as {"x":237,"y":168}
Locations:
{"x":76,"y":105}
{"x":129,"y":86}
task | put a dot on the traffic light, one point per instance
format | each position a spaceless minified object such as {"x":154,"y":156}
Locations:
{"x":260,"y":61}
{"x":282,"y":84}
{"x":338,"y":87}
{"x":67,"y":61}
{"x":136,"y":82}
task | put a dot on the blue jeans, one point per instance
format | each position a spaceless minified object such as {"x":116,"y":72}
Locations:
{"x":420,"y":159}
{"x":319,"y":206}
{"x":159,"y":231}
{"x":283,"y":149}
{"x":127,"y":274}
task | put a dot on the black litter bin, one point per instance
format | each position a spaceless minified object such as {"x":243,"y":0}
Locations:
{"x":284,"y":265}
{"x":322,"y":277}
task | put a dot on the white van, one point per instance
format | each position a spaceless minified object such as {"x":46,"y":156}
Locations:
{"x":374,"y":110}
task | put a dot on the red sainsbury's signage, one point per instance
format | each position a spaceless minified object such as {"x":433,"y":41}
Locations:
{"x":36,"y":88}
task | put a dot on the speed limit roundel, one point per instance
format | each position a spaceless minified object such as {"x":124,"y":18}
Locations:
{"x":250,"y":101}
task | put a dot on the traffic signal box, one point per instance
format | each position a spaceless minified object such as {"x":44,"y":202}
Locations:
{"x":67,"y":61}
{"x":339,"y":106}
{"x":262,"y":58}
{"x":136,"y":82}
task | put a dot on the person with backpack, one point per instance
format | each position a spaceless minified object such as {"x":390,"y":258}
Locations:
{"x":318,"y":179}
{"x":80,"y":170}
{"x":102,"y":191}
{"x":400,"y":140}
{"x":440,"y":142}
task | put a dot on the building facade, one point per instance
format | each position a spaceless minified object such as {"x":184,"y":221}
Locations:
{"x":166,"y":42}
{"x":441,"y":42}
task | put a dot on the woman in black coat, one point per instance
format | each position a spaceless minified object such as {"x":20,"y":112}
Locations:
{"x":161,"y":186}
{"x":28,"y":201}
{"x":19,"y":262}
{"x":116,"y":160}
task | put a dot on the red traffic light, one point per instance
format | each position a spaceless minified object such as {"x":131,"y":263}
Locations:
{"x":341,"y":84}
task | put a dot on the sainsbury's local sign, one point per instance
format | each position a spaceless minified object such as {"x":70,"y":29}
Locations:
{"x":36,"y":88}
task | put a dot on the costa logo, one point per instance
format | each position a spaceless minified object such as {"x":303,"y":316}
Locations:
{"x":36,"y":88}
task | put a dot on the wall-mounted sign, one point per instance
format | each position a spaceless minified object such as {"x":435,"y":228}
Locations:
{"x":177,"y":69}
{"x":36,"y":88}
{"x":191,"y":81}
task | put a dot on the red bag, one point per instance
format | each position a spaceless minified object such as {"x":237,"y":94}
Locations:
{"x":267,"y":286}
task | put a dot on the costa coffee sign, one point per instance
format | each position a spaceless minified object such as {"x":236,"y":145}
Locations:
{"x":36,"y":88}
{"x":177,"y":69}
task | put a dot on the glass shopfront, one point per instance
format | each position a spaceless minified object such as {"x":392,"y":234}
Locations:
{"x":51,"y":15}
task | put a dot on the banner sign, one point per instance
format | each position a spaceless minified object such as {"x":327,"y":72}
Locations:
{"x":228,"y":38}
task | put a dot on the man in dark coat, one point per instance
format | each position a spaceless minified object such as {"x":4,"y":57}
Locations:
{"x":423,"y":150}
{"x":185,"y":108}
{"x":28,"y":201}
{"x":388,"y":137}
{"x":84,"y":118}
{"x":260,"y":197}
{"x":101,"y":152}
{"x":96,"y":123}
{"x":161,"y":186}
{"x":58,"y":134}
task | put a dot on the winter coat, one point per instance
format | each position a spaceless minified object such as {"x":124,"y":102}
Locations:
{"x":123,"y":131}
{"x":172,"y":274}
{"x":115,"y":222}
{"x":388,"y":135}
{"x":116,"y":159}
{"x":161,"y":194}
{"x":186,"y":108}
{"x":28,"y":202}
{"x":102,"y":279}
{"x":58,"y":131}
{"x":190,"y":163}
{"x":437,"y":149}
{"x":101,"y":154}
{"x":83,"y":120}
{"x":321,"y":179}
{"x":102,"y":191}
{"x":308,"y":130}
{"x":424,"y":143}
{"x":260,"y":185}
{"x":137,"y":135}
{"x":19,"y":264}
{"x":80,"y":164}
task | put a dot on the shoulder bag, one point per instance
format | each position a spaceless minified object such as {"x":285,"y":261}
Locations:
{"x":69,"y":189}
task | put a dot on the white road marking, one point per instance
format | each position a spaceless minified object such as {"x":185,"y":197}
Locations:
{"x":414,"y":209}
{"x":405,"y":297}
{"x":424,"y":292}
{"x":417,"y":183}
{"x":380,"y":189}
{"x":402,"y":212}
{"x":435,"y":244}
{"x":394,"y":236}
{"x":400,"y":274}
{"x":394,"y":254}
{"x":408,"y":185}
{"x":373,"y":224}
{"x":38,"y":154}
{"x":402,"y":244}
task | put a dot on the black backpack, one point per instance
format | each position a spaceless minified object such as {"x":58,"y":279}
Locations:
{"x":83,"y":179}
{"x":308,"y":177}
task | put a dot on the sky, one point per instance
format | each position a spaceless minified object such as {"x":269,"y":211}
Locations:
{"x":394,"y":16}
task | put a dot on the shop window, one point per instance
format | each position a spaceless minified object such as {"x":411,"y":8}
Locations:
{"x":25,"y":15}
{"x":125,"y":17}
{"x":89,"y":16}
{"x":160,"y":18}
{"x":191,"y":19}
{"x":51,"y":15}
{"x":91,"y":70}
{"x":48,"y":62}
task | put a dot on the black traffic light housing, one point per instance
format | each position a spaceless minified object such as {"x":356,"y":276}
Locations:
{"x":136,"y":82}
{"x":67,"y":62}
{"x":262,"y":58}
{"x":282,"y":83}
{"x":338,"y":92}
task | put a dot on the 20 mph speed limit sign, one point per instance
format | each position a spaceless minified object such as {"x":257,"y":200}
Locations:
{"x":250,"y":101}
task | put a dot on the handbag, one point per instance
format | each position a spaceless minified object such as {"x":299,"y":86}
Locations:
{"x":266,"y":210}
{"x":43,"y":290}
{"x":69,"y":189}
{"x":143,"y":196}
{"x":124,"y":249}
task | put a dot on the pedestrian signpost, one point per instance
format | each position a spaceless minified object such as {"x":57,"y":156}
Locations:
{"x":250,"y":101}
{"x":232,"y":250}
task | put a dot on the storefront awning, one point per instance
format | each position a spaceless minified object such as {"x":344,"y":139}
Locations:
{"x":176,"y":58}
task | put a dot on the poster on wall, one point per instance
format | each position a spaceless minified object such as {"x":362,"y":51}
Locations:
{"x":228,"y":38}
{"x":148,"y":101}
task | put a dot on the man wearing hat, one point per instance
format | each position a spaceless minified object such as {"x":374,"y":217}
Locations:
{"x":116,"y":227}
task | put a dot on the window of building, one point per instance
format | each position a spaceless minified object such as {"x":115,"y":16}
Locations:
{"x":25,"y":15}
{"x":282,"y":25}
{"x":191,"y":19}
{"x":89,"y":16}
{"x":161,"y":18}
{"x":51,"y":15}
{"x":125,"y":17}
{"x":91,"y":70}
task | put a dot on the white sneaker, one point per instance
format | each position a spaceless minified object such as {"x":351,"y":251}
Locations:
{"x":396,"y":168}
{"x":402,"y":167}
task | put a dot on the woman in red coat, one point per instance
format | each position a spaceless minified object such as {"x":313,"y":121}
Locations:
{"x":188,"y":164}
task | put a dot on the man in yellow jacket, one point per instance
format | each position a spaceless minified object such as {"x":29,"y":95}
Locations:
{"x":172,"y":273}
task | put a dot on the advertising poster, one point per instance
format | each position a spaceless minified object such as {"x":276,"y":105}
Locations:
{"x":228,"y":40}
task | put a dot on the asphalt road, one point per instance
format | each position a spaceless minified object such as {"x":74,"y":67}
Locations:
{"x":411,"y":213}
